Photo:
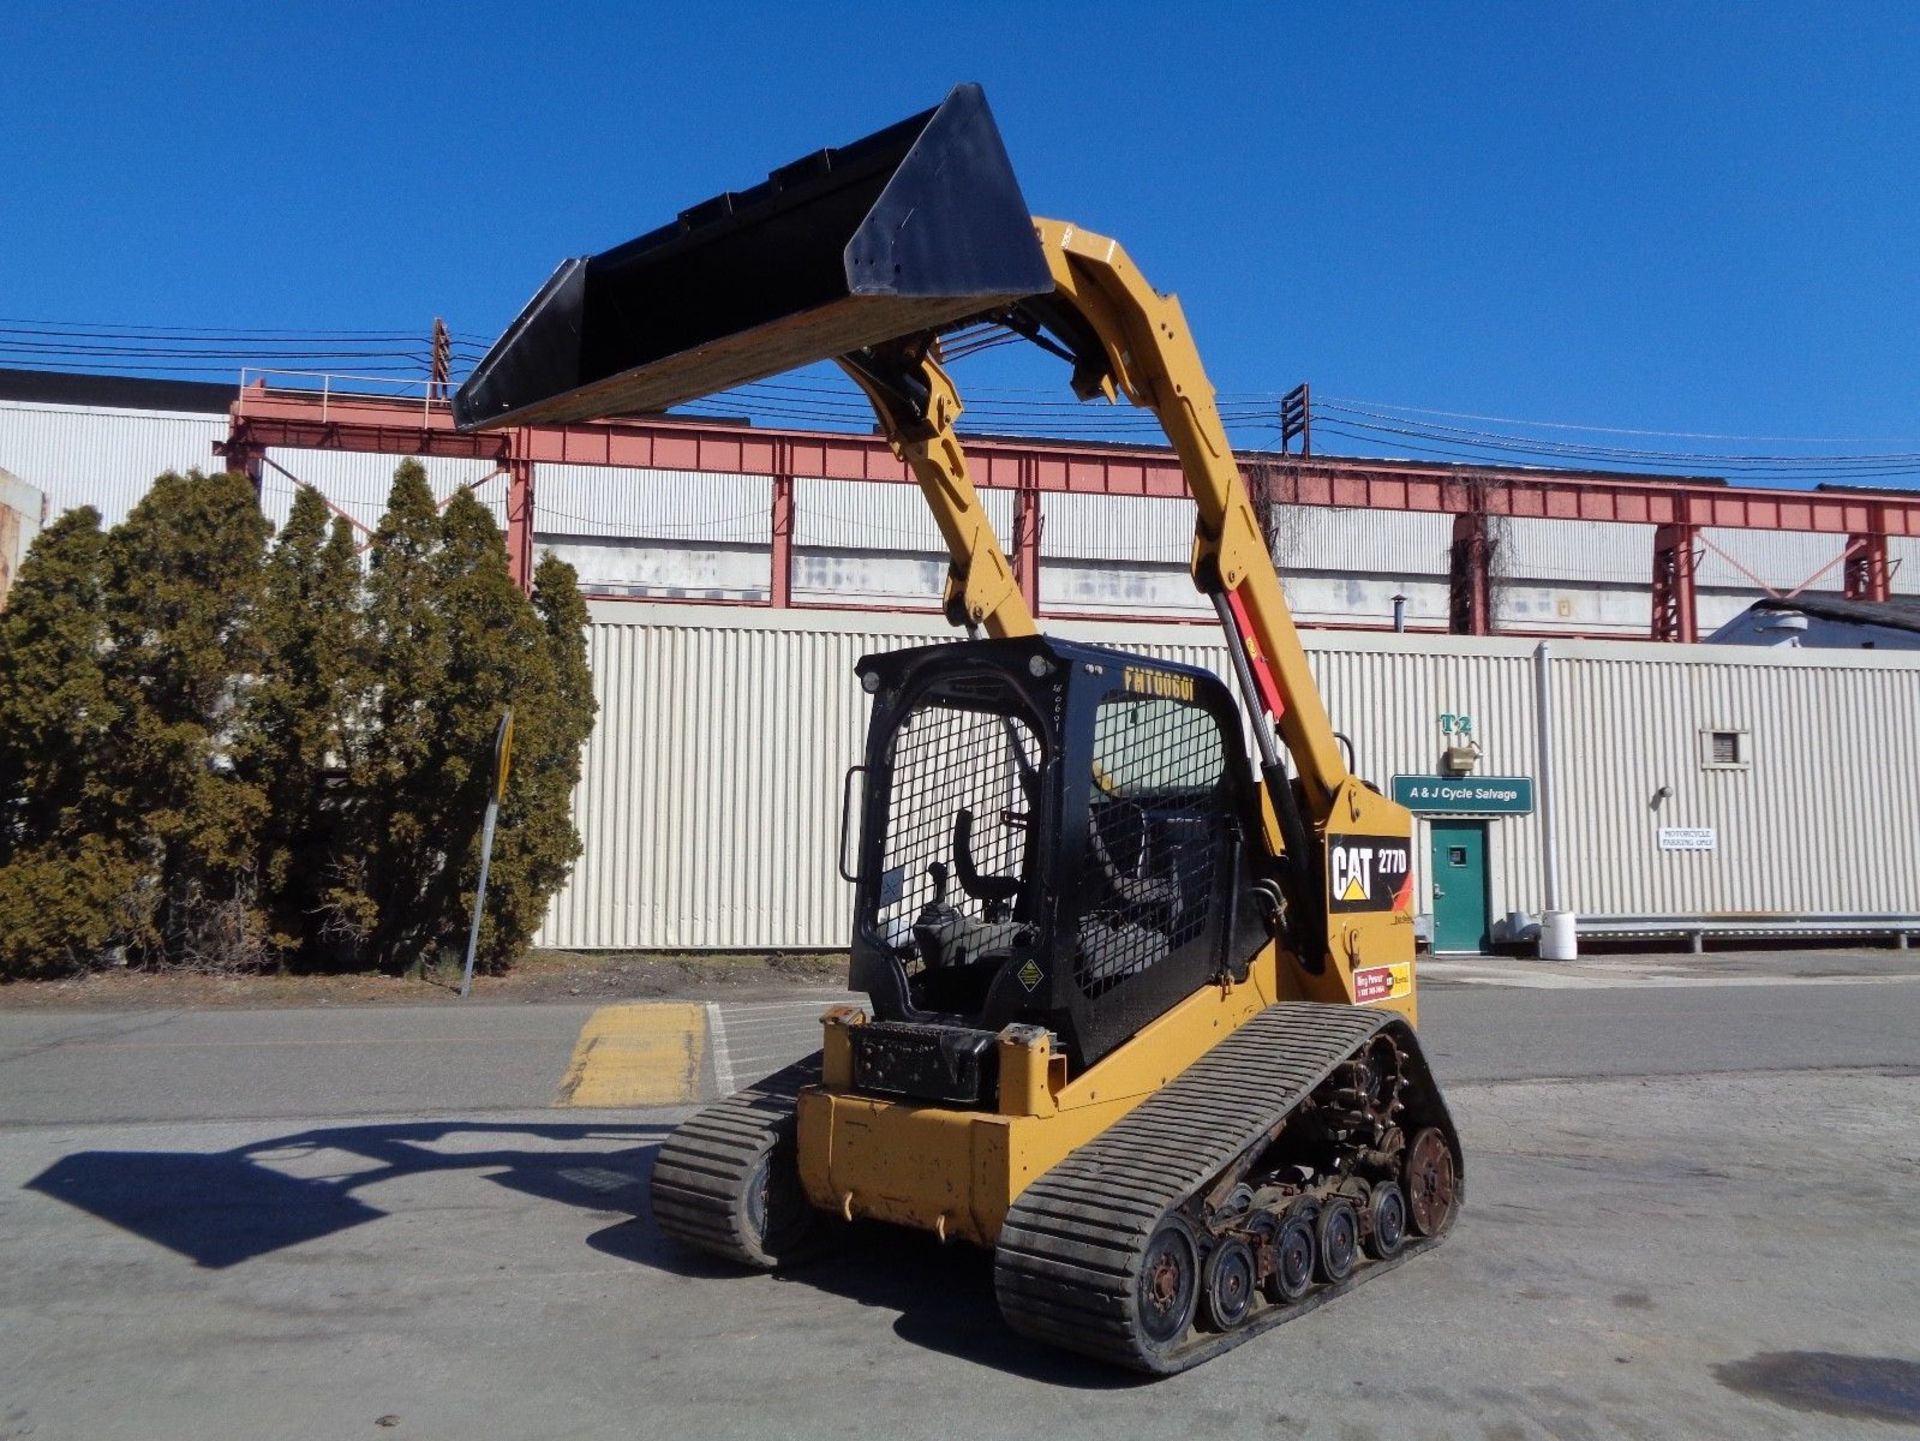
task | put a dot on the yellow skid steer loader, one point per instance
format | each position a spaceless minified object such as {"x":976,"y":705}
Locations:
{"x":1142,"y":1011}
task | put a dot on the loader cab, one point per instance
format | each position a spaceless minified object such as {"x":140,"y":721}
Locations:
{"x":1050,"y":834}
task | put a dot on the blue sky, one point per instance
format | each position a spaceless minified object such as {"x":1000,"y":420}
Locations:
{"x":1685,"y":218}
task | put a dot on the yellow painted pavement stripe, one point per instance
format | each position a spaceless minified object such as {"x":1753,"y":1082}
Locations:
{"x":641,"y":1055}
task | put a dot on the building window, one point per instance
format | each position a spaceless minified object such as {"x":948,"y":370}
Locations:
{"x":1726,"y":750}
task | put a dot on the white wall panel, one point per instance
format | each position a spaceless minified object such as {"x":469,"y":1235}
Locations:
{"x":1148,"y":529}
{"x":84,"y":455}
{"x":1115,"y":588}
{"x":683,"y":506}
{"x":1782,"y":559}
{"x":649,"y":570}
{"x":1903,"y":555}
{"x":1822,"y":821}
{"x":1555,"y":550}
{"x":861,"y":515}
{"x":1364,"y":542}
{"x":907,"y":580}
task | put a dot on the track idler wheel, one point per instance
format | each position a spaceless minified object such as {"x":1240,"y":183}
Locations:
{"x":1168,"y":1291}
{"x":1293,"y":1260}
{"x":1336,"y":1236}
{"x":1432,"y":1195}
{"x":775,"y":1210}
{"x":1386,"y":1221}
{"x":1230,"y":1284}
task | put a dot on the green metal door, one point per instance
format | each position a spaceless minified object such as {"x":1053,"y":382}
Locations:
{"x":1461,"y":902}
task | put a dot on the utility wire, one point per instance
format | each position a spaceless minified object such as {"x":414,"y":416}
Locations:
{"x":1376,"y":405}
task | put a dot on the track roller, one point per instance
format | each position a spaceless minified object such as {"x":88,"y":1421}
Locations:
{"x":1336,"y":1236}
{"x":1386,"y":1221}
{"x":1429,"y":1177}
{"x":1230,"y":1284}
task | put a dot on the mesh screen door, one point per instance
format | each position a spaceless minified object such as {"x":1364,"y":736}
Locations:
{"x":1155,"y":833}
{"x":949,"y":760}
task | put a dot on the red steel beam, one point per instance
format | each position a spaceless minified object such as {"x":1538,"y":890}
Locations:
{"x":1676,"y":614}
{"x":780,"y":586}
{"x":1469,"y":577}
{"x":311,"y":421}
{"x":1026,"y":547}
{"x":1869,"y":573}
{"x":520,"y":523}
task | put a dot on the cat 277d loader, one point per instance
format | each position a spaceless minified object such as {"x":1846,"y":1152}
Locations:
{"x":1142,"y":1008}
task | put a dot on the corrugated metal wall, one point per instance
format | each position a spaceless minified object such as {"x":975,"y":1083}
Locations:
{"x":682,"y":506}
{"x":710,"y":799}
{"x":1365,"y":542}
{"x":86,"y":455}
{"x":1824,"y":819}
{"x":862,"y":516}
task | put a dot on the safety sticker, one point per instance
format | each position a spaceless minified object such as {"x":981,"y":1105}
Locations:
{"x":1382,"y":983}
{"x":1029,"y":975}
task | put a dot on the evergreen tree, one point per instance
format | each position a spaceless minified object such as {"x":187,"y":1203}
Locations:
{"x":299,"y":728}
{"x":392,"y":849}
{"x":210,"y":754}
{"x":69,"y":879}
{"x":498,"y":657}
{"x":451,"y":643}
{"x":537,"y":842}
{"x":186,"y":575}
{"x":553,"y":710}
{"x":55,"y":708}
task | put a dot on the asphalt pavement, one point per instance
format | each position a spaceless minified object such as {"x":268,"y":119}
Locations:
{"x":1688,"y":1215}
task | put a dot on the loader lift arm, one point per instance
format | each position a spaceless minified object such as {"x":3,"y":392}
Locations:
{"x":1124,"y":338}
{"x":917,"y":406}
{"x":1146,"y":352}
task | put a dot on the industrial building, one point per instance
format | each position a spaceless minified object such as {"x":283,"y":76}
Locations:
{"x":1698,"y":791}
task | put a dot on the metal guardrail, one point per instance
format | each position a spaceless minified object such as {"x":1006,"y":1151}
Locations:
{"x":428,"y":395}
{"x":1902,"y":929}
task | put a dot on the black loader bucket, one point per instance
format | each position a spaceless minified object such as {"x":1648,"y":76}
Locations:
{"x":913,"y":228}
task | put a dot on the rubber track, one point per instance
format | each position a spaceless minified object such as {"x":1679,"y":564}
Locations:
{"x":700,"y":1177}
{"x":1067,"y":1265}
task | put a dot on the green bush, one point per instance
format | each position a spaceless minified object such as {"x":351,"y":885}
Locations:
{"x":224,"y":755}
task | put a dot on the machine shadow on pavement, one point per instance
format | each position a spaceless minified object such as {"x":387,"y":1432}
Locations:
{"x":942,"y":1295}
{"x":222,"y":1208}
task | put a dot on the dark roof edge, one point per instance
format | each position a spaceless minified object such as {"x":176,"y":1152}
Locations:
{"x":1900,"y":614}
{"x":126,"y":392}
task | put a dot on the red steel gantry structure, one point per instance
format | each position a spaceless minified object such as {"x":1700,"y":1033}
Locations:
{"x":263,"y":419}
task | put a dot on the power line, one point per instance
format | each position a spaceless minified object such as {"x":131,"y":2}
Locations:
{"x":1619,"y":430}
{"x":1374,"y":420}
{"x":125,"y":330}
